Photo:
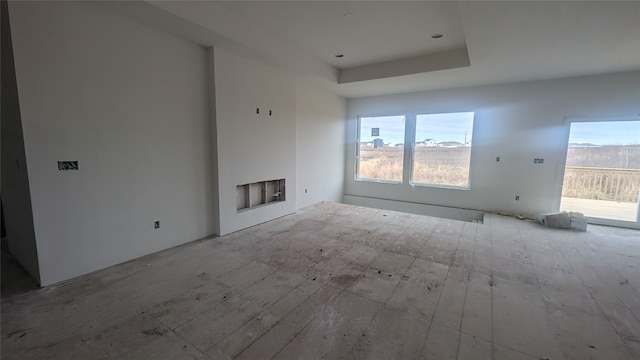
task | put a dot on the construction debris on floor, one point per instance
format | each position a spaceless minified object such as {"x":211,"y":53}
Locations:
{"x":564,"y":220}
{"x":337,"y":281}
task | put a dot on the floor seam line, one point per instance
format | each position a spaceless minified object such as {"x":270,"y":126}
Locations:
{"x":466,"y":291}
{"x":307,"y":324}
{"x":594,"y":299}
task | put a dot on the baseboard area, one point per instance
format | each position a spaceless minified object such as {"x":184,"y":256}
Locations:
{"x":446,"y":212}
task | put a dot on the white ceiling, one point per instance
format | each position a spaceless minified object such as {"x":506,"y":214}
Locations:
{"x":507,"y":41}
{"x":364,"y":32}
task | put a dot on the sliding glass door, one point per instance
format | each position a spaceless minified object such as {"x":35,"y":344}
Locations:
{"x":602,"y":172}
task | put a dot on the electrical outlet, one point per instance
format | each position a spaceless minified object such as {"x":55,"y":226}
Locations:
{"x":156,"y":224}
{"x":305,"y":190}
{"x":498,"y":158}
{"x":538,"y":161}
{"x":517,"y":197}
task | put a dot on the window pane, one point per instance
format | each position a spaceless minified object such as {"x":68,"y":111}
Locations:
{"x":443,"y":149}
{"x":381,"y":148}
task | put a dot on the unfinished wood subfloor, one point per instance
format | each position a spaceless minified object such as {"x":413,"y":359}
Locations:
{"x":337,"y":281}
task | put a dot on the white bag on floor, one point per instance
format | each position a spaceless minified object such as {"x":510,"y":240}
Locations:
{"x":555,"y":220}
{"x":564,"y":220}
{"x":578,"y":221}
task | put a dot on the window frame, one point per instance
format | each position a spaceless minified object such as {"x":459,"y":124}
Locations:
{"x":409,"y":154}
{"x":357,"y":153}
{"x":413,"y":153}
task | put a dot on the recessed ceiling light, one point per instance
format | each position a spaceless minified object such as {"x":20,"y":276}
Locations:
{"x":339,"y":55}
{"x":436,"y":36}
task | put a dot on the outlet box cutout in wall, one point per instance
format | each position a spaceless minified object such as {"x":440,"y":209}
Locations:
{"x":250,"y":196}
{"x":67,"y":165}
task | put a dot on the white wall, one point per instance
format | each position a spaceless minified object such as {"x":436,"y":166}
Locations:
{"x":253,"y":147}
{"x":213,"y":143}
{"x":320,"y":144}
{"x":16,"y":198}
{"x":130,"y":103}
{"x":517,"y":122}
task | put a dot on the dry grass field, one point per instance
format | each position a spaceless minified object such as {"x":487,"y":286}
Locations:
{"x":384,"y":163}
{"x":442,"y":166}
{"x":450,"y":166}
{"x":611,"y":156}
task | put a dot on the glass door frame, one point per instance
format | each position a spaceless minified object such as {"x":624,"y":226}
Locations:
{"x":567,"y":121}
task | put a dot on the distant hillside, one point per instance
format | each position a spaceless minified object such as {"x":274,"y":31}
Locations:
{"x":582,"y":145}
{"x":450,"y":144}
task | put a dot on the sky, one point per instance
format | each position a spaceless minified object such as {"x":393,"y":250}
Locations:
{"x":439,"y":127}
{"x":391,"y":129}
{"x":605,"y":133}
{"x":445,"y":127}
{"x":452,"y":127}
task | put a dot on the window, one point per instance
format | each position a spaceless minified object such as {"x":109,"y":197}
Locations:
{"x":442,"y":152}
{"x":380,"y":148}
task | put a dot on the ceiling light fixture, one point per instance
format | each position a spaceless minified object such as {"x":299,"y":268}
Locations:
{"x":436,"y":36}
{"x":339,"y":55}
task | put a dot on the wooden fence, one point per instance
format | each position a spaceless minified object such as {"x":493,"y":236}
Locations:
{"x":621,"y":185}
